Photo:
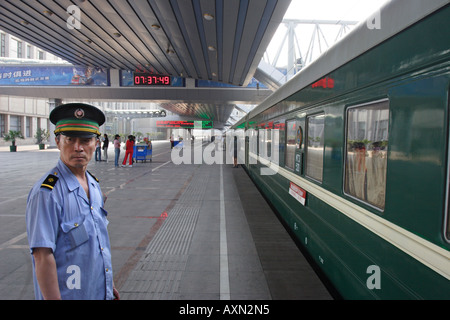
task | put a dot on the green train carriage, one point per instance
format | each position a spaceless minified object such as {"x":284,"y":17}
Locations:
{"x":358,"y":145}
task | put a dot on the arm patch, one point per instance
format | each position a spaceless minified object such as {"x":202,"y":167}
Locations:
{"x":49,"y":182}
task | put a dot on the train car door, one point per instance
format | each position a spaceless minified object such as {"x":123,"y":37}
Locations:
{"x":300,"y":146}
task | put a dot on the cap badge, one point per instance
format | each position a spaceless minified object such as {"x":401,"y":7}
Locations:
{"x":79,"y":113}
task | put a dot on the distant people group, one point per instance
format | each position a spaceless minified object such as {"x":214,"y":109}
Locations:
{"x":129,"y":149}
{"x":98,"y":147}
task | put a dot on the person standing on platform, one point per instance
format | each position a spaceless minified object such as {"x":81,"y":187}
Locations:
{"x":98,"y":152}
{"x":105,"y":146}
{"x":235,"y":152}
{"x":116,"y":150}
{"x":65,"y":216}
{"x":128,"y":151}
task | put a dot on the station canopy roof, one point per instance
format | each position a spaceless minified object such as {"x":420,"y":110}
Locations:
{"x":219,"y":40}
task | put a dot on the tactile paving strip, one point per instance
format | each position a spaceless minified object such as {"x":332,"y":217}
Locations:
{"x":159,"y":270}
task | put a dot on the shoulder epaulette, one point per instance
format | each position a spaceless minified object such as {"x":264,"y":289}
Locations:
{"x":93,"y":176}
{"x":49,"y":182}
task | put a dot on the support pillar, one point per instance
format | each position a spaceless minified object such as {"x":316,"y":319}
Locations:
{"x":52,"y":104}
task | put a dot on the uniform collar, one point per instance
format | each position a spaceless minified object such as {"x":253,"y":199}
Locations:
{"x":69,"y":177}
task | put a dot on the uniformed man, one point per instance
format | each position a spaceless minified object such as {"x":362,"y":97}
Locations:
{"x":66,"y":221}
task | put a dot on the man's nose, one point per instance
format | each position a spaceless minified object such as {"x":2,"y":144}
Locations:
{"x":78,"y":146}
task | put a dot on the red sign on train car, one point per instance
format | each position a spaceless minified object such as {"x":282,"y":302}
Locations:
{"x":326,"y":83}
{"x":298,"y":193}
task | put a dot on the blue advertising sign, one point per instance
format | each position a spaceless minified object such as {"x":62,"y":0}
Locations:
{"x":11,"y":75}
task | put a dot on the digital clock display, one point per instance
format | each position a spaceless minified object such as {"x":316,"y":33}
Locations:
{"x":150,"y":79}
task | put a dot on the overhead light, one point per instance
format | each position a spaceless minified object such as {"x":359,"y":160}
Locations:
{"x":117,"y":34}
{"x":156,"y":27}
{"x":211,"y":48}
{"x":24,"y":22}
{"x":48,"y":13}
{"x":208,"y":17}
{"x":170,"y":51}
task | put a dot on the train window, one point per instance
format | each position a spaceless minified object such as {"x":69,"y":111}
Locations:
{"x":315,"y":146}
{"x":269,"y":143}
{"x":262,"y":141}
{"x":265,"y":143}
{"x":279,"y":140}
{"x":366,"y":152}
{"x":257,"y":141}
{"x":447,"y":217}
{"x":291,"y":143}
{"x":253,"y":143}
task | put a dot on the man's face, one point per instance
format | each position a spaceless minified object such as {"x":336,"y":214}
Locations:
{"x":76,"y":152}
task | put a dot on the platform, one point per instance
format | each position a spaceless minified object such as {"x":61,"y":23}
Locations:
{"x":178,"y":232}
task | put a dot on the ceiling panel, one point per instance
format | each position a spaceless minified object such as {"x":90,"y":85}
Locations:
{"x":218,"y":40}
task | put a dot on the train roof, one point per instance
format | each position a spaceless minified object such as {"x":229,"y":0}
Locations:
{"x":396,"y":16}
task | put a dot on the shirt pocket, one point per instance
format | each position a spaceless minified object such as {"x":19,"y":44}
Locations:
{"x":75,"y":232}
{"x":104,"y":215}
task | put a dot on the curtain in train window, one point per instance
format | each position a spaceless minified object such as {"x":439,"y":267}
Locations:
{"x":366,"y":153}
{"x":314,"y":151}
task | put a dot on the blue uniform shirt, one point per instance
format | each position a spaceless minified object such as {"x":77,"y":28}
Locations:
{"x":61,"y":217}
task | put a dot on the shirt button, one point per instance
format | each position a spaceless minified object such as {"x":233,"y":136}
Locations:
{"x":76,"y":224}
{"x":107,"y":269}
{"x":92,"y":208}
